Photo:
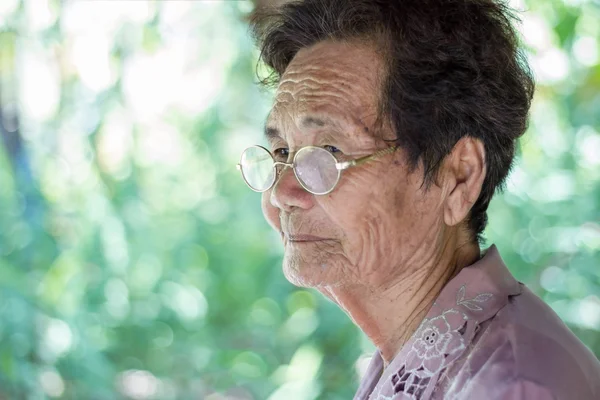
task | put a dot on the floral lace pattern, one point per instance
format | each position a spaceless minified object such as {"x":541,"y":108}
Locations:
{"x":437,"y":342}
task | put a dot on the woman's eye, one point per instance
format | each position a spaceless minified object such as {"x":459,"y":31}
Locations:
{"x":281,"y":153}
{"x":331,"y":149}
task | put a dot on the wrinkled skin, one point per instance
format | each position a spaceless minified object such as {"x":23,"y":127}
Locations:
{"x":389,"y":243}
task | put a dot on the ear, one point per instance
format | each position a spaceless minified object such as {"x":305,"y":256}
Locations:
{"x":464,"y":172}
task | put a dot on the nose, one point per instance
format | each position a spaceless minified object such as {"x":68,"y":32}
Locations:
{"x":287,"y":193}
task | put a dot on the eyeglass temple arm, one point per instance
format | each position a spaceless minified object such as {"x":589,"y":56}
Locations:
{"x":362,"y":160}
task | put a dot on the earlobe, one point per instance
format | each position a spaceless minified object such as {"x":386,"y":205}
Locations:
{"x":466,"y":168}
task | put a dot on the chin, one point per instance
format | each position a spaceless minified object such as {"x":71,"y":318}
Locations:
{"x":307,"y":274}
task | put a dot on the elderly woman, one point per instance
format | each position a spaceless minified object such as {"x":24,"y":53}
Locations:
{"x":393,"y":124}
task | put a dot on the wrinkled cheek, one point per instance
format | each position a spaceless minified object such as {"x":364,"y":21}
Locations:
{"x":339,"y":208}
{"x":270,"y":212}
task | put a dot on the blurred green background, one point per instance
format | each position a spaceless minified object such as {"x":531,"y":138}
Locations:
{"x":136,"y":264}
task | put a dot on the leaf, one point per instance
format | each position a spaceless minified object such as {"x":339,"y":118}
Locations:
{"x":460,"y":295}
{"x":480,"y":298}
{"x":471,"y":306}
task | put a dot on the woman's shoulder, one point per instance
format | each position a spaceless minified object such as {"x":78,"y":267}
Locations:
{"x":527,"y":347}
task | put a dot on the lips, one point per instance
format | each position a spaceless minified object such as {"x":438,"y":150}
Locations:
{"x":303,"y":238}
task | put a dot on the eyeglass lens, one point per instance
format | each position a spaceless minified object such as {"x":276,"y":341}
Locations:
{"x":257,"y":168}
{"x":315,"y":168}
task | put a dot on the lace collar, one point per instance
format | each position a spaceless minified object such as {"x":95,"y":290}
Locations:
{"x":475,"y":295}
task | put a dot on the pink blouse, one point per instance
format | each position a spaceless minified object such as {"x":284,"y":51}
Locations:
{"x":487,"y":336}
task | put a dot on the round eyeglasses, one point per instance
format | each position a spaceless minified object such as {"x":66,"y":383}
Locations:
{"x":316,"y":169}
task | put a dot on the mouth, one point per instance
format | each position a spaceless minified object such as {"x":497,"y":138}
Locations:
{"x":303,"y":238}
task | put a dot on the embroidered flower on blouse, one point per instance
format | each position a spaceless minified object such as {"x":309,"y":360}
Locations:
{"x":432,"y":348}
{"x":437,"y":338}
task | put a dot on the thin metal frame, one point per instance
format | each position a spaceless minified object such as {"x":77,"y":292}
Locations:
{"x":340,"y":166}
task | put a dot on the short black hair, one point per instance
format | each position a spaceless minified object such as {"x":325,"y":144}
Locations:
{"x":454,"y":68}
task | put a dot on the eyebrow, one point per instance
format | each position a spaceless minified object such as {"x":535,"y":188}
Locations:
{"x":307,"y":122}
{"x":315,"y":122}
{"x":272,"y":134}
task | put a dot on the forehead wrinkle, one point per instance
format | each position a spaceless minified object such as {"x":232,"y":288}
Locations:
{"x":288,"y":114}
{"x":336,"y":67}
{"x":328,"y":83}
{"x":302,"y":95}
{"x":335,"y":85}
{"x":317,"y":73}
{"x":310,"y":97}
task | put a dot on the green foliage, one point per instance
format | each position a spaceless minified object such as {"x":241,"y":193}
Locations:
{"x":134,"y":262}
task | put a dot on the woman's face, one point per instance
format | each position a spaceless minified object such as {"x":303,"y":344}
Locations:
{"x":379,"y":219}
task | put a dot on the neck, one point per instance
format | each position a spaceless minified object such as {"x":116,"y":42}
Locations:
{"x":389,"y":314}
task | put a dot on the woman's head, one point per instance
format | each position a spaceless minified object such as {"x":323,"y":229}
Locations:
{"x":443,"y":80}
